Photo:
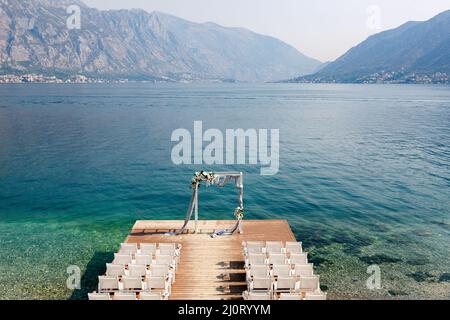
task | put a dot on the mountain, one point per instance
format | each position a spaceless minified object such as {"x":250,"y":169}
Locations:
{"x":415,"y":50}
{"x":135,"y":44}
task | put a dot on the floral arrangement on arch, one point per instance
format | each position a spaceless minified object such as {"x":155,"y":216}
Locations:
{"x":202,"y":176}
{"x":239,"y":213}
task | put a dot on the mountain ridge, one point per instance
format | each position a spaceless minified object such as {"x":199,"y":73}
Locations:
{"x":139,"y":45}
{"x":413,"y":52}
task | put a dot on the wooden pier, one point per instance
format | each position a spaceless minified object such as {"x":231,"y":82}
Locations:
{"x":210,"y":268}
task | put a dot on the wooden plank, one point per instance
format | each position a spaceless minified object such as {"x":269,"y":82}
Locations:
{"x":210,"y":269}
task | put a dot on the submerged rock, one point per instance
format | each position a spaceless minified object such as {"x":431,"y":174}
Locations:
{"x":355,"y":240}
{"x":421,"y":276}
{"x":418,"y":261}
{"x":445,"y":277}
{"x":352,"y":250}
{"x":318,"y":261}
{"x":379,"y":259}
{"x":317,"y":242}
{"x":396,"y":293}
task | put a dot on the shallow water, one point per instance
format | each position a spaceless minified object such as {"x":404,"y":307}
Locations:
{"x":364,"y":178}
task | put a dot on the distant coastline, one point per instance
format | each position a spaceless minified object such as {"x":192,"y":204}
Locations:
{"x":80,"y":79}
{"x":383,"y":77}
{"x":379,"y":78}
{"x":39,"y":78}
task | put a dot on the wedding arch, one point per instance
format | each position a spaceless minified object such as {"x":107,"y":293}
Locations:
{"x":219,"y":179}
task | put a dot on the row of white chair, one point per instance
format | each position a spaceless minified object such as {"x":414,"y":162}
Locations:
{"x":284,"y":296}
{"x":139,"y":269}
{"x":290,"y":284}
{"x":126,"y":296}
{"x":280,"y":270}
{"x":150,"y":248}
{"x":276,"y":258}
{"x":274,"y":271}
{"x":272,"y":247}
{"x":145,"y":259}
{"x":109,"y":284}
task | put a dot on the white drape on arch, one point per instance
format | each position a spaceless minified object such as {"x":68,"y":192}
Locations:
{"x":219,"y":179}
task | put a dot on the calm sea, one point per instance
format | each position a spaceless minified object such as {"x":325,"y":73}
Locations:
{"x":364,"y":178}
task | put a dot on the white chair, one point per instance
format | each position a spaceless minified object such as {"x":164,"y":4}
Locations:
{"x":115,"y":270}
{"x":253,"y":247}
{"x":147,"y":248}
{"x":145,"y":259}
{"x":108,"y":284}
{"x":277,"y":258}
{"x":290,"y":296}
{"x":259,"y":271}
{"x":256,"y":259}
{"x":256,"y":295}
{"x":131,"y":283}
{"x":148,"y":296}
{"x":274,"y":246}
{"x":99,"y":296}
{"x":123,"y":259}
{"x":286,"y":284}
{"x":137,"y":270}
{"x":163,"y":270}
{"x":260,"y":284}
{"x":298,"y":258}
{"x":158,"y":283}
{"x":165,"y":260}
{"x":293,"y":247}
{"x":316,"y":296}
{"x":281,"y":270}
{"x":159,"y":270}
{"x":124,"y":296}
{"x":168,"y":249}
{"x":306,"y":270}
{"x":309,"y":284}
{"x":128,"y":248}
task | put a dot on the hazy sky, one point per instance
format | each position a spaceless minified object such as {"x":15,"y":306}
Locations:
{"x":322,"y":29}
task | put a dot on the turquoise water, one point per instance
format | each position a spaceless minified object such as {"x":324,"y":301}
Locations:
{"x":364,"y":178}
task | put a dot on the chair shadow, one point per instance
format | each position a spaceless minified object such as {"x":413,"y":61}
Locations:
{"x":89,"y":280}
{"x":232,"y":277}
{"x":152,"y":232}
{"x":233,"y":283}
{"x":236,"y":265}
{"x":156,"y":232}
